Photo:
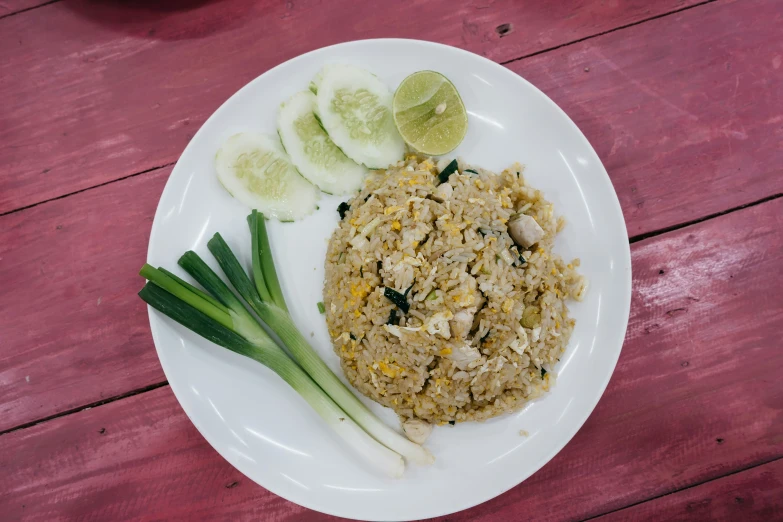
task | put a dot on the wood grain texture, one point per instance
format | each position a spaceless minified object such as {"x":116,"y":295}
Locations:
{"x":97,"y":90}
{"x":72,"y":330}
{"x":696,"y":395}
{"x":686,"y":111}
{"x":752,"y":495}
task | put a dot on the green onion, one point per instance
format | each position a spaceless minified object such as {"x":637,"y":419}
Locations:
{"x":196,"y":318}
{"x":397,"y":298}
{"x":217,"y":311}
{"x":278,"y":320}
{"x":432,"y":295}
{"x":252,"y":221}
{"x":190,"y":287}
{"x":450,"y":169}
{"x":321,"y":307}
{"x":264,"y":271}
{"x":342,"y":208}
{"x":227,"y":323}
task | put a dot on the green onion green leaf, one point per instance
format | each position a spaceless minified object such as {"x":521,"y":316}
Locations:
{"x":450,"y":169}
{"x":397,"y":298}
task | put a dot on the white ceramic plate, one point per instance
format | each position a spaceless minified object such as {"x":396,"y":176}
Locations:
{"x":261,"y":426}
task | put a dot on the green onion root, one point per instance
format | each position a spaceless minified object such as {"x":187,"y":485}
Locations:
{"x":373,"y":452}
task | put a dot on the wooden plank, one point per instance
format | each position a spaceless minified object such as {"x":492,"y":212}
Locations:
{"x":696,"y":395}
{"x":129,"y":460}
{"x":9,"y":7}
{"x":94,"y":91}
{"x":754,"y":494}
{"x":683,"y":111}
{"x":73,"y":330}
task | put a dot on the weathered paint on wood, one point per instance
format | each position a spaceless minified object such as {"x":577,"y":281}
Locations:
{"x":94,"y":91}
{"x":751,"y":495}
{"x":695,"y":395}
{"x":674,"y":107}
{"x":685,"y":111}
{"x":72,"y":330}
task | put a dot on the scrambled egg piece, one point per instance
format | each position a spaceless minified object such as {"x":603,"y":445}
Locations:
{"x":387,"y":370}
{"x":360,"y":290}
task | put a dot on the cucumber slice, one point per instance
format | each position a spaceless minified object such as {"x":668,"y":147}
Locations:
{"x":355,"y":108}
{"x":255,"y":169}
{"x":316,"y":157}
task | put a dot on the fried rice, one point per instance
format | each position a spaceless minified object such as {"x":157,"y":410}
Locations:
{"x":487,"y":318}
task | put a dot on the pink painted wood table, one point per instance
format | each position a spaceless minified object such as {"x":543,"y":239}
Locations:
{"x":682,"y":99}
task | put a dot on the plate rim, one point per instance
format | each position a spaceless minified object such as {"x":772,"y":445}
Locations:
{"x":624,"y":308}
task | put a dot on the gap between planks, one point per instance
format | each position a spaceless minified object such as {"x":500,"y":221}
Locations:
{"x":608,"y":31}
{"x":28,"y":9}
{"x":145,"y":171}
{"x":109,"y":400}
{"x":672,"y":228}
{"x":691,"y":486}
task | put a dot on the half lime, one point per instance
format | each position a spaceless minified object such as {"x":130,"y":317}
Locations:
{"x":429,"y":113}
